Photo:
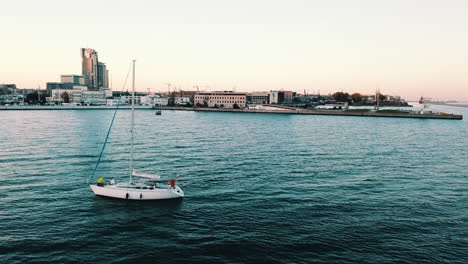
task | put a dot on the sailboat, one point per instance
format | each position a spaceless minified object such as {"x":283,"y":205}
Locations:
{"x":146,"y":186}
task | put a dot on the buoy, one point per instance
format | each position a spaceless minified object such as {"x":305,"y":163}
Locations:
{"x":126,"y":196}
{"x":141,"y":196}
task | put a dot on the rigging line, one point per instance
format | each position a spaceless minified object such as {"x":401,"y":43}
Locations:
{"x":108,"y":131}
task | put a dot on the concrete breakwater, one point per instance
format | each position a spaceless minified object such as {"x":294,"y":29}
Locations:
{"x":271,"y":110}
{"x":321,"y":112}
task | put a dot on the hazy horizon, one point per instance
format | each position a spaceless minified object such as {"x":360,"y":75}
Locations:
{"x":413,"y":48}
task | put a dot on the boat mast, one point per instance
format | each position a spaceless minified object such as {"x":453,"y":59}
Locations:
{"x":132,"y":123}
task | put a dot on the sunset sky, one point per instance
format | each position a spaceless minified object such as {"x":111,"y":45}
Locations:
{"x":413,"y":48}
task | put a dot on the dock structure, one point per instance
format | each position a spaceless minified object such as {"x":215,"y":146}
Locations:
{"x":322,"y":112}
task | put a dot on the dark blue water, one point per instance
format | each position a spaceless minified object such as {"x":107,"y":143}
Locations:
{"x":259,"y":189}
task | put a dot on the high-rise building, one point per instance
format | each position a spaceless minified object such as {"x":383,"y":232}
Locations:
{"x":90,"y":68}
{"x":103,"y":78}
{"x":95,"y":72}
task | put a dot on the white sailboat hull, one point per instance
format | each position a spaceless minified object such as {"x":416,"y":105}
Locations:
{"x":129,"y":193}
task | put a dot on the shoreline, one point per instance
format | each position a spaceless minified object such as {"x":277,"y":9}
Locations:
{"x":70,"y":107}
{"x":287,"y":111}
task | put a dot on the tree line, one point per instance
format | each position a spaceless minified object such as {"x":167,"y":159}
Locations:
{"x":353,"y":98}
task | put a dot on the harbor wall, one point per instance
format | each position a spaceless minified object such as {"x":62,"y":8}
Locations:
{"x":320,"y":112}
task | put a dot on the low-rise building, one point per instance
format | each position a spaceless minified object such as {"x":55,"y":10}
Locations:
{"x":10,"y":95}
{"x":8,"y":89}
{"x":127,"y":99}
{"x":160,"y":100}
{"x":113,"y":102}
{"x":181,"y":100}
{"x":281,"y":97}
{"x":258,"y":98}
{"x":60,"y":96}
{"x":93,"y":98}
{"x":11,"y":99}
{"x":74,"y":79}
{"x":95,"y":101}
{"x":79,"y":95}
{"x":147,"y":100}
{"x":226,"y":99}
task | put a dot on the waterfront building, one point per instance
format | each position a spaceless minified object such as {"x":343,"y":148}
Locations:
{"x":280,"y":97}
{"x":147,"y":100}
{"x":8,"y":88}
{"x":79,"y":95}
{"x":127,"y":99}
{"x":12,"y":99}
{"x":53,"y":86}
{"x":103,"y":75}
{"x":189,"y":94}
{"x":67,"y":82}
{"x":95,"y":101}
{"x":90,"y":67}
{"x":73,"y":79}
{"x":113,"y":102}
{"x":179,"y":100}
{"x":95,"y":72}
{"x":95,"y":97}
{"x":224,"y":99}
{"x":57,"y":96}
{"x":159,"y":100}
{"x":258,"y":98}
{"x":10,"y":95}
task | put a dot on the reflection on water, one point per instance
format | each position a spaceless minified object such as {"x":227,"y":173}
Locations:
{"x":101,"y":203}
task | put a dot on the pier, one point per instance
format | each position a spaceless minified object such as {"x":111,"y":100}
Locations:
{"x":299,"y":111}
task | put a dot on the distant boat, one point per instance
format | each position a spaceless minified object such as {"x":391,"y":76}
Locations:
{"x":158,"y":112}
{"x":149,"y":187}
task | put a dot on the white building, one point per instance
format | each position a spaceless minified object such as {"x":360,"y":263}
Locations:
{"x":160,"y":100}
{"x":79,"y":95}
{"x":58,"y":96}
{"x":113,"y":102}
{"x":226,"y":99}
{"x":127,"y":99}
{"x":258,"y":98}
{"x":182,"y":100}
{"x":147,"y":100}
{"x":95,"y":101}
{"x":94,"y":97}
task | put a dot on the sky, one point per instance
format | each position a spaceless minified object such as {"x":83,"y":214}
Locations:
{"x":412,"y":48}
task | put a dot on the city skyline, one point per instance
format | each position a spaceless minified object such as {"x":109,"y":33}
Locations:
{"x":412,"y":49}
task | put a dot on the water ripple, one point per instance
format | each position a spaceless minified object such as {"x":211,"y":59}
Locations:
{"x":260,"y":189}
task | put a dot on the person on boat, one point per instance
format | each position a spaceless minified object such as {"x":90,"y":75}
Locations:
{"x":173,"y":184}
{"x":112,"y":182}
{"x":101,"y":181}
